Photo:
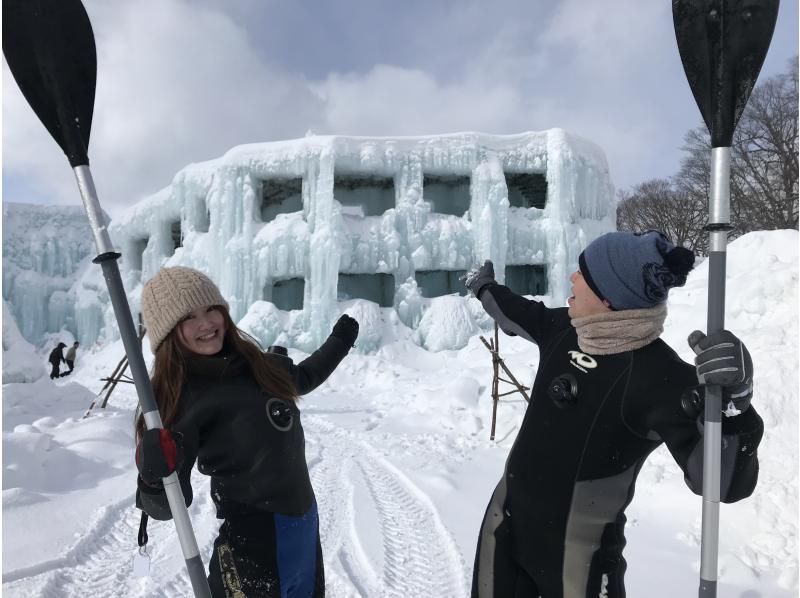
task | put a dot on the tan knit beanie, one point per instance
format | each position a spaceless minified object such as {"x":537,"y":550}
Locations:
{"x":170,"y":295}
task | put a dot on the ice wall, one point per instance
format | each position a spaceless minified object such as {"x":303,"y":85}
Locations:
{"x":216,"y":207}
{"x":45,"y":251}
{"x":20,"y":361}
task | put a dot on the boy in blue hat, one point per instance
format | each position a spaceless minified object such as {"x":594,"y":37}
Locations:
{"x":608,"y":391}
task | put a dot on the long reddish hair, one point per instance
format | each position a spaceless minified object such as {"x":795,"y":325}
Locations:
{"x":169,"y":372}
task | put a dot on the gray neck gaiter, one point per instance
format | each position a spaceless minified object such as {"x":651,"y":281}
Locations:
{"x":613,"y":332}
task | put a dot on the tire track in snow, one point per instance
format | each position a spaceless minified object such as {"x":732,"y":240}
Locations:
{"x":100,"y":562}
{"x":420,"y":556}
{"x":114,"y":522}
{"x":347,"y":570}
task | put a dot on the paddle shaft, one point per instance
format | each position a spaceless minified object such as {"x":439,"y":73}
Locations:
{"x":719,"y":224}
{"x":50,"y":49}
{"x":107,"y":258}
{"x":722,"y":44}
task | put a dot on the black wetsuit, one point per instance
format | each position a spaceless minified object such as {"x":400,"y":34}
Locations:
{"x":555,"y":524}
{"x":253,"y":447}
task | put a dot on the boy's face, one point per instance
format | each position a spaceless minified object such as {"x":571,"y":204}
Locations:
{"x":583,"y":301}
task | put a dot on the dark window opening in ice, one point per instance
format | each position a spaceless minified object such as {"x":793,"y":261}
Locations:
{"x":435,"y":283}
{"x":177,"y":235}
{"x":526,"y":190}
{"x":378,"y":288}
{"x":364,"y":195}
{"x":204,"y":222}
{"x":285,"y":294}
{"x":447,"y":194}
{"x":527,"y":280}
{"x":135,"y":260}
{"x":281,"y":196}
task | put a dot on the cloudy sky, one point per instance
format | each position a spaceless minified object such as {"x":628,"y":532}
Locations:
{"x":183,"y":81}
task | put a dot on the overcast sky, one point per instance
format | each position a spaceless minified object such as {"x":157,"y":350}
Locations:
{"x":182,"y":81}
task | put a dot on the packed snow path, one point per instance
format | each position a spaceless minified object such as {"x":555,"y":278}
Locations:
{"x":417,"y":555}
{"x":100,"y":561}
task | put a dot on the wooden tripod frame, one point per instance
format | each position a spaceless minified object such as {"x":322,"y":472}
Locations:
{"x":117,"y":376}
{"x":497,"y":365}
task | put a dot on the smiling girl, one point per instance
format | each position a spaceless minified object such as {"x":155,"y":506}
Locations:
{"x":232,"y":408}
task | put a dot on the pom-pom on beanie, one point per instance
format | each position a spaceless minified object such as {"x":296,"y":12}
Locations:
{"x":172,"y":294}
{"x":634,"y":270}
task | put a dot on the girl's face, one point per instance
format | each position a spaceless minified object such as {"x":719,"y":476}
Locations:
{"x":202,"y":331}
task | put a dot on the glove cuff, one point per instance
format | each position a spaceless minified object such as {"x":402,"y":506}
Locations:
{"x":151,"y":487}
{"x":484,"y":287}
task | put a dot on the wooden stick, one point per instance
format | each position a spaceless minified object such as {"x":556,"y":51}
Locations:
{"x":497,"y":362}
{"x":122,"y":374}
{"x":107,"y":382}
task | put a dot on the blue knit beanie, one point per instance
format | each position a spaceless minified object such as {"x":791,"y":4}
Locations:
{"x":634,"y":270}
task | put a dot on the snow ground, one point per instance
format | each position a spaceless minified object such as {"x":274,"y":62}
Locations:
{"x":401,"y":462}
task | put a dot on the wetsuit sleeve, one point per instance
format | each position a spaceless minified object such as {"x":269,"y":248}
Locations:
{"x":153,"y":499}
{"x":314,"y":369}
{"x":518,"y":316}
{"x":741,"y":436}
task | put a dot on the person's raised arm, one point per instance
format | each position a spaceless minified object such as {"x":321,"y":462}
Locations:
{"x":515,"y":315}
{"x":315,"y":369}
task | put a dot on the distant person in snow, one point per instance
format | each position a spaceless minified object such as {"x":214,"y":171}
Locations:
{"x":56,"y":359}
{"x":233,"y":408}
{"x":607,"y":392}
{"x":71,"y":352}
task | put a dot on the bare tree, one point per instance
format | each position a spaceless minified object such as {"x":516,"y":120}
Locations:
{"x":765,"y":152}
{"x":764,"y":166}
{"x":658,"y":204}
{"x":764,"y":173}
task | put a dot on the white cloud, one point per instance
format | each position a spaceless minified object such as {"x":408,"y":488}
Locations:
{"x":182,"y":81}
{"x":395,"y":101}
{"x":176,"y":83}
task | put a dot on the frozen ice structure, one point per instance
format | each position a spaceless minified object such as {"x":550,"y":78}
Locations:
{"x":322,"y":224}
{"x":20,"y":361}
{"x":45,"y":251}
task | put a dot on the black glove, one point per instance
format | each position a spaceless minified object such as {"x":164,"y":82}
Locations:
{"x":158,"y":454}
{"x":346,"y":329}
{"x":723,"y":360}
{"x":478,"y":278}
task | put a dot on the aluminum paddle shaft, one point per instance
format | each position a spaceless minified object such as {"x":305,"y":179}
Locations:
{"x":107,"y":258}
{"x":718,"y":225}
{"x":49,"y":47}
{"x":722,"y":44}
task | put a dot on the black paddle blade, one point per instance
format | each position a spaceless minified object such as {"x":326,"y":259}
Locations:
{"x":49,"y":47}
{"x":723,"y":44}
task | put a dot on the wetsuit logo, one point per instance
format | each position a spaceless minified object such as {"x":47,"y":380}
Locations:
{"x":279,"y":415}
{"x":582,"y":361}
